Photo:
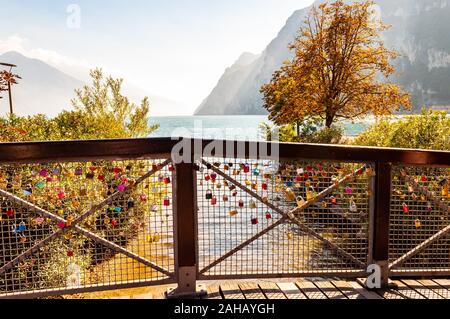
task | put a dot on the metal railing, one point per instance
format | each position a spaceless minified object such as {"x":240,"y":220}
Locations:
{"x":99,"y":215}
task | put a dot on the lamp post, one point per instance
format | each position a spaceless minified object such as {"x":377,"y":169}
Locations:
{"x":10,"y":66}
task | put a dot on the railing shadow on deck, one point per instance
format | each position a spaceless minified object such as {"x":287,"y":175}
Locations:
{"x":85,"y":216}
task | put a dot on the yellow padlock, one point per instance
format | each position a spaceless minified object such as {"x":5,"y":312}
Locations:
{"x":290,"y":195}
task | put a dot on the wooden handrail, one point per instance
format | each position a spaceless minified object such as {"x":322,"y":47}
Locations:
{"x":32,"y":152}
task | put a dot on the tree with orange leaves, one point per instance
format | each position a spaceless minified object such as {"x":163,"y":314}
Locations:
{"x":337,"y":69}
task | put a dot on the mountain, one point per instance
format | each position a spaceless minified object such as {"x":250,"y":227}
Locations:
{"x":419,"y":31}
{"x":42,"y":89}
{"x":45,"y":89}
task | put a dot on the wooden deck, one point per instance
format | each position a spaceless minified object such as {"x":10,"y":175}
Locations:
{"x":327,"y":289}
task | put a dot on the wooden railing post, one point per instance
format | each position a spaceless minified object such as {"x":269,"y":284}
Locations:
{"x":380,"y":243}
{"x":185,"y":222}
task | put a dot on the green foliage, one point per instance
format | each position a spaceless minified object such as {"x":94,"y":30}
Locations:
{"x":101,"y":112}
{"x":430,"y":130}
{"x":307,"y":131}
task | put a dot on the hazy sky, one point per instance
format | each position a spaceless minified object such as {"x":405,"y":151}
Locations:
{"x":176,"y":49}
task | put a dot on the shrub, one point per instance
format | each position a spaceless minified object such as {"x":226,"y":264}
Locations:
{"x":429,"y":130}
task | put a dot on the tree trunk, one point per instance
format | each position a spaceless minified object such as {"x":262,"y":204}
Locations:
{"x":329,"y":121}
{"x":298,"y":128}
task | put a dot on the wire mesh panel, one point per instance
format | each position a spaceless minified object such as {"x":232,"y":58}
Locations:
{"x":271,"y":218}
{"x":69,"y":226}
{"x":419,"y":223}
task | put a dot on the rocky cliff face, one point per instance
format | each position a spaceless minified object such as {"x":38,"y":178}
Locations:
{"x":420,"y":30}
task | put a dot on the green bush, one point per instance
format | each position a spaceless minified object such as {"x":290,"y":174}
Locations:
{"x":429,"y":130}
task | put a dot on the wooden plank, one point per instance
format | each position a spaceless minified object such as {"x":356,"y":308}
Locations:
{"x":407,"y":291}
{"x":444,"y":283}
{"x":424,"y":291}
{"x":251,"y":290}
{"x":310,"y":290}
{"x":363,"y":291}
{"x":384,"y":293}
{"x":346,"y":288}
{"x":445,"y":293}
{"x":271,"y":290}
{"x":329,"y":290}
{"x":291,"y":291}
{"x":213,"y":292}
{"x":231,"y":291}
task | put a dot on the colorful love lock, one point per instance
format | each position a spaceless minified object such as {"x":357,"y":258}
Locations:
{"x":225,"y":198}
{"x":256,"y":172}
{"x":405,"y":208}
{"x":213,"y":176}
{"x":130,"y":203}
{"x":241,"y":204}
{"x":234,"y":193}
{"x":155,"y":167}
{"x":154,"y":208}
{"x":348,"y":190}
{"x":43,"y":172}
{"x":143,"y":197}
{"x":290,"y":195}
{"x":22,"y":227}
{"x":209,"y":194}
{"x":232,"y":187}
{"x":311,"y":194}
{"x":290,"y":236}
{"x":410,"y":189}
{"x":352,"y":207}
{"x":61,"y":225}
{"x":101,"y":177}
{"x":226,"y":167}
{"x":171,"y":168}
{"x":252,"y":204}
{"x":113,"y":222}
{"x":255,"y":186}
{"x":90,"y":175}
{"x":265,"y":186}
{"x":70,"y":253}
{"x":429,"y":206}
{"x":418,"y":223}
{"x":298,"y":179}
{"x":308,"y":183}
{"x":167,"y":180}
{"x":61,"y":195}
{"x":300,"y":171}
{"x":268,"y":216}
{"x":255,"y":221}
{"x":424,"y":178}
{"x":27,"y":192}
{"x":70,"y":220}
{"x":84,"y":191}
{"x":233,"y":213}
{"x":40,"y":185}
{"x":167,"y":201}
{"x":414,"y":196}
{"x":300,"y":202}
{"x":265,"y":199}
{"x":248,"y":183}
{"x":445,"y":190}
{"x":333,"y":200}
{"x":214,"y":200}
{"x":207,"y":177}
{"x":246,"y":168}
{"x":78,"y":171}
{"x":335,"y":181}
{"x":39,"y":221}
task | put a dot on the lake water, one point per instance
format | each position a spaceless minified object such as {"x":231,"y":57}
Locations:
{"x":226,"y":127}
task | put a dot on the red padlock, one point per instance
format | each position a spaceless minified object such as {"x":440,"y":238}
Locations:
{"x":167,"y":201}
{"x":405,"y":208}
{"x":268,"y":216}
{"x":214,"y":201}
{"x":246,"y":168}
{"x":241,"y":203}
{"x":255,"y":221}
{"x":265,"y":186}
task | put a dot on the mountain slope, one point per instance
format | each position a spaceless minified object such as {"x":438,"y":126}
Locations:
{"x":43,"y":88}
{"x":418,"y":29}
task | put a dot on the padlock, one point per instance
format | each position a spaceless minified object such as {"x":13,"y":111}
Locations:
{"x":209,"y":194}
{"x":78,"y":171}
{"x":61,"y":195}
{"x":255,"y":186}
{"x":429,"y":207}
{"x":40,"y":185}
{"x":167,"y":201}
{"x":252,"y":204}
{"x":265,"y":186}
{"x":214,"y":200}
{"x":300,"y":171}
{"x":298,"y":179}
{"x":333,"y":200}
{"x":405,"y":208}
{"x":310,"y":194}
{"x":353,"y":208}
{"x":225,"y":198}
{"x":300,"y":202}
{"x":445,"y":191}
{"x":256,"y":172}
{"x":290,"y":195}
{"x":265,"y":200}
{"x":424,"y":178}
{"x":255,"y":221}
{"x":418,"y":223}
{"x":234,"y":193}
{"x":248,"y":183}
{"x":213,"y":176}
{"x":233,"y":213}
{"x":348,"y":190}
{"x":207,"y":177}
{"x":143,"y":197}
{"x":246,"y":168}
{"x":268,"y":216}
{"x":241,"y":204}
